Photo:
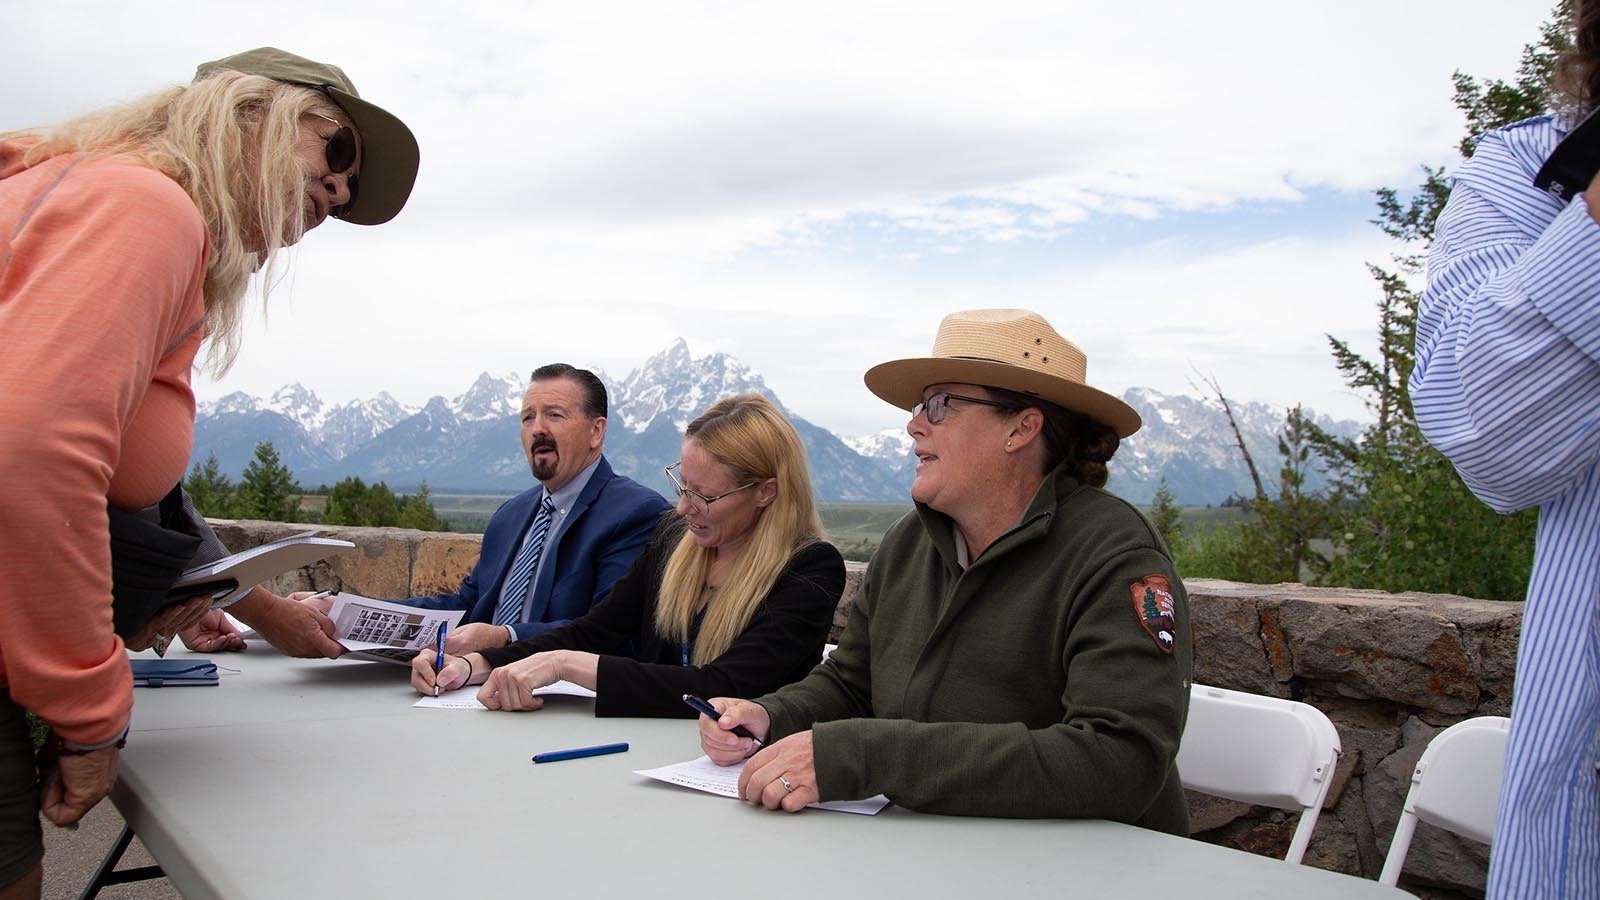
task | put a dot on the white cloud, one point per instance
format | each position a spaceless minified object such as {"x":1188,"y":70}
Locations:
{"x":810,"y":186}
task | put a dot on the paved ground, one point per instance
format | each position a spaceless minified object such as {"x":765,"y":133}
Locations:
{"x":71,"y":857}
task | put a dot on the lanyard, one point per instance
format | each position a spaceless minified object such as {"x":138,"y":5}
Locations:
{"x":694,"y":634}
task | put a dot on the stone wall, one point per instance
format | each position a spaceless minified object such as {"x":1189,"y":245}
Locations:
{"x":1390,"y":670}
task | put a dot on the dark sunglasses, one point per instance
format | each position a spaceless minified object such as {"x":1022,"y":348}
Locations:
{"x":340,"y":151}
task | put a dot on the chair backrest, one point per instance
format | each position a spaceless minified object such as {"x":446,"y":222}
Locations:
{"x":1455,"y":785}
{"x":1261,"y":750}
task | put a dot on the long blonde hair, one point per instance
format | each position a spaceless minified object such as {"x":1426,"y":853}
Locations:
{"x":229,"y":140}
{"x":749,"y":435}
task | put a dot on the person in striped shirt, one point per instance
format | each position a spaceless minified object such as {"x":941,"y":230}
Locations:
{"x":1507,"y":385}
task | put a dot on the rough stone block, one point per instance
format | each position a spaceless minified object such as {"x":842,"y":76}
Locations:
{"x":1208,"y":813}
{"x":1368,"y":730}
{"x":1436,"y":857}
{"x":1333,"y":847}
{"x":1269,"y":835}
{"x":439,"y":563}
{"x":1349,"y":761}
{"x":854,"y":572}
{"x":1351,"y":814}
{"x":380,"y":566}
{"x":1386,"y":649}
{"x":1490,"y":636}
{"x":1228,"y":646}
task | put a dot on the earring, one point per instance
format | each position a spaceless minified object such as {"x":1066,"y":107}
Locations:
{"x":1008,"y":445}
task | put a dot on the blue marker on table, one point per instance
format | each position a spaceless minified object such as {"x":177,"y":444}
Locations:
{"x":438,"y":661}
{"x":579,"y":752}
{"x":705,"y":709}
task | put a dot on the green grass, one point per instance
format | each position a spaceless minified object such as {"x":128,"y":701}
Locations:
{"x":1205,"y":518}
{"x":860,"y":521}
{"x":855,"y":528}
{"x":467,"y":513}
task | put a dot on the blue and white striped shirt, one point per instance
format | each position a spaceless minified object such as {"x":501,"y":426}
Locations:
{"x":1507,"y":385}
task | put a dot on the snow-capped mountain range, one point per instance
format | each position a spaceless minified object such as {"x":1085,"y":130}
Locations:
{"x":469,"y":444}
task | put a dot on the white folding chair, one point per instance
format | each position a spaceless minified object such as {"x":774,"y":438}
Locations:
{"x":1455,"y":785}
{"x":1265,"y":751}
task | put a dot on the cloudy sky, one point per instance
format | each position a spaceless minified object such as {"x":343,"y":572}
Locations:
{"x":1178,"y":187}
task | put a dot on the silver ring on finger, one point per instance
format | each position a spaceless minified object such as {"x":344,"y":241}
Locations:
{"x":785,"y":782}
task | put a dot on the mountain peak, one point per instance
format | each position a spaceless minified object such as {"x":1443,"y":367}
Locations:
{"x":469,"y":443}
{"x":236,"y":402}
{"x":299,"y":404}
{"x":673,"y":359}
{"x":490,"y":398}
{"x":675,"y":384}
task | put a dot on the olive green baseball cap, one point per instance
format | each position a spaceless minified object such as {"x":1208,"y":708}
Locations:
{"x":388,"y":149}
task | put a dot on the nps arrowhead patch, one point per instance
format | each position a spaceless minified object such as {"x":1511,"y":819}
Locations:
{"x":1157,"y":612}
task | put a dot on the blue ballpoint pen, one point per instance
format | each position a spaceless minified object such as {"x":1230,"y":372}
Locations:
{"x":438,"y":661}
{"x":579,"y":752}
{"x":706,"y":709}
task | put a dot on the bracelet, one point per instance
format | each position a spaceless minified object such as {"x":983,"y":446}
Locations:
{"x":468,"y":661}
{"x":63,"y":748}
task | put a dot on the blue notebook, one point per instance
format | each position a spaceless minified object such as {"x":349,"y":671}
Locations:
{"x":173,"y":672}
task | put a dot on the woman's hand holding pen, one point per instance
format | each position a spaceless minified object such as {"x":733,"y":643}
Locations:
{"x":456,"y":672}
{"x":716,"y":735}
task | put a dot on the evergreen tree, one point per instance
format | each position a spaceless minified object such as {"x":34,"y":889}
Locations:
{"x":1402,"y":517}
{"x":267,"y":490}
{"x":417,"y":512}
{"x":1399,"y":516}
{"x":1290,"y":522}
{"x":353,"y":502}
{"x":1167,"y":516}
{"x":211,"y":491}
{"x":347,"y":503}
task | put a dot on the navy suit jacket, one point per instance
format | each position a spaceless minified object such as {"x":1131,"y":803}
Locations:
{"x":607,"y":527}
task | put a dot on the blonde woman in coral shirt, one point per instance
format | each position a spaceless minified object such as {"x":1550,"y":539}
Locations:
{"x":127,"y":238}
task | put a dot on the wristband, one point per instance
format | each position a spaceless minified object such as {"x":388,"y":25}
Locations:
{"x":64,"y":747}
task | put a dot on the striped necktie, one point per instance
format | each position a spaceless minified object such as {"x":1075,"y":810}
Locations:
{"x":515,"y":595}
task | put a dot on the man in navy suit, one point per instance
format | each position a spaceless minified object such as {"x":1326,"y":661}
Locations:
{"x":598,"y":522}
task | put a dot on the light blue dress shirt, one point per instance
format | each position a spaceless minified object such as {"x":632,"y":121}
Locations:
{"x":1507,"y":385}
{"x":563,"y":500}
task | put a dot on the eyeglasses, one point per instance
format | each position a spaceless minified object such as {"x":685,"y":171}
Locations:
{"x":340,"y":151}
{"x":938,"y":406}
{"x":698,"y":502}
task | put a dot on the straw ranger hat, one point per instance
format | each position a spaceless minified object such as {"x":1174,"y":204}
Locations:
{"x":389,"y":155}
{"x":1012,"y":349}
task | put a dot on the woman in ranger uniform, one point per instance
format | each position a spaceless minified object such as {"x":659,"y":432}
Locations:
{"x":1020,"y":646}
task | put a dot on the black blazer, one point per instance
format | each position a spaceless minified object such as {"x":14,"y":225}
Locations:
{"x":782,"y":643}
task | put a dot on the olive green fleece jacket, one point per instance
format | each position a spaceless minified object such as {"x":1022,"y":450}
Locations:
{"x":1026,"y":686}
